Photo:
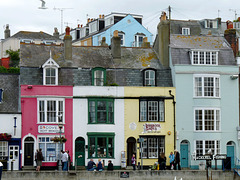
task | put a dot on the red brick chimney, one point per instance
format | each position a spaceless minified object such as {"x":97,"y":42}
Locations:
{"x":230,"y":36}
{"x":67,"y":45}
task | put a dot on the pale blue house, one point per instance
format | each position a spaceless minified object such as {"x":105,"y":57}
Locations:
{"x":129,"y":27}
{"x":205,"y":75}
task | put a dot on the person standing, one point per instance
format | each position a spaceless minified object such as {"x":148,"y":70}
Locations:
{"x":162,"y":161}
{"x":65,"y":161}
{"x":99,"y":165}
{"x":177,"y":160}
{"x":90,"y":165}
{"x":69,"y":160}
{"x":171,"y":157}
{"x":39,"y":159}
{"x":134,"y":162}
{"x":110,"y":166}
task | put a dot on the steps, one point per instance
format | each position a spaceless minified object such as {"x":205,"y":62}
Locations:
{"x":29,"y":168}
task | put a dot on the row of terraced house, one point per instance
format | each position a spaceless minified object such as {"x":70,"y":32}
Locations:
{"x":113,"y":92}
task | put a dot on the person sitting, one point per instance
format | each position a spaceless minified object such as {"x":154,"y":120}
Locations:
{"x":99,"y":165}
{"x":110,"y":166}
{"x":90,"y":165}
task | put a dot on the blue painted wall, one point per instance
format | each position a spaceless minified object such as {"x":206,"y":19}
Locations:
{"x":130,"y":29}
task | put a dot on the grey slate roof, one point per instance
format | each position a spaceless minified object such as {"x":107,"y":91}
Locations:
{"x":182,"y":45}
{"x":10,"y":85}
{"x":34,"y":35}
{"x":89,"y":57}
{"x":177,"y":25}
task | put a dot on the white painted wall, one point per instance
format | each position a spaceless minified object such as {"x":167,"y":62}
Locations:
{"x":80,"y":118}
{"x":7,"y":124}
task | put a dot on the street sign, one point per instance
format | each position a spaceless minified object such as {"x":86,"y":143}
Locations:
{"x":220,"y":156}
{"x":204,"y":157}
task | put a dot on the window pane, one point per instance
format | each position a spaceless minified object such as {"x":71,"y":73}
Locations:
{"x":92,"y":149}
{"x":195,"y":57}
{"x":152,"y":110}
{"x":110,"y":112}
{"x":153,"y":147}
{"x":51,"y":111}
{"x":110,"y":147}
{"x":201,"y":57}
{"x":208,"y":60}
{"x":92,"y":112}
{"x":161,"y":110}
{"x":98,"y":78}
{"x":145,"y":150}
{"x":209,"y":120}
{"x":101,"y":111}
{"x":149,"y":78}
{"x":198,"y":120}
{"x":217,"y":87}
{"x":102,"y":147}
{"x":143,"y":111}
{"x":41,"y":111}
{"x":217,"y":120}
{"x":208,"y":86}
{"x":198,"y":86}
{"x":199,"y":148}
{"x":214,"y":57}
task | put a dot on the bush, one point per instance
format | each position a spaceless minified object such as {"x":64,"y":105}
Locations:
{"x":11,"y":70}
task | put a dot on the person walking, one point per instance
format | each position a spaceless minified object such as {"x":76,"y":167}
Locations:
{"x":69,"y":160}
{"x":99,"y":165}
{"x":171,"y":157}
{"x":39,"y":160}
{"x":177,"y":160}
{"x":134,"y":162}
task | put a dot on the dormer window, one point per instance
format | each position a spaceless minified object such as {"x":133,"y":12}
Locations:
{"x":50,"y":72}
{"x":149,"y":77}
{"x":122,"y":36}
{"x":1,"y":95}
{"x":98,"y":76}
{"x":204,"y":57}
{"x":185,"y":31}
{"x":138,"y":39}
{"x":211,"y":23}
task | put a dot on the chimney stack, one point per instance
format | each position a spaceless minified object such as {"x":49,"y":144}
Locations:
{"x":67,"y":45}
{"x":231,"y":37}
{"x":56,"y":33}
{"x":145,"y":43}
{"x":103,"y":42}
{"x":116,"y":45}
{"x":7,"y":32}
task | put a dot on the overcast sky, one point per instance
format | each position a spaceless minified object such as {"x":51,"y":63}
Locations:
{"x":24,"y":15}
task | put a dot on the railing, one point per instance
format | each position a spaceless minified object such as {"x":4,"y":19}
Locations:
{"x":237,"y":166}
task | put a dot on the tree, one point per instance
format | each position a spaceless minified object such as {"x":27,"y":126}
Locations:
{"x":14,"y":57}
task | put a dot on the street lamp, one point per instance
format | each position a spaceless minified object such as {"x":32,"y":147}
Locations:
{"x":60,"y":125}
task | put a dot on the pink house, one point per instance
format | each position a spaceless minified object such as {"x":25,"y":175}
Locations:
{"x":44,"y":109}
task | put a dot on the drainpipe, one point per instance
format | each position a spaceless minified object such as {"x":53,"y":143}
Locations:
{"x":174,"y":118}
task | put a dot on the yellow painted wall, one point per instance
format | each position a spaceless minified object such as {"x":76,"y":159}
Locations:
{"x":88,"y":40}
{"x":132,"y":116}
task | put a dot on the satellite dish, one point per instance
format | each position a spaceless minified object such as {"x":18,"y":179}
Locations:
{"x":43,"y":5}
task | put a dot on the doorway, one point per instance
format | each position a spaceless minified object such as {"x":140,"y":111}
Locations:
{"x":28,"y":151}
{"x":184,"y":153}
{"x":80,"y":152}
{"x":231,"y":153}
{"x":131,"y":149}
{"x":14,"y":157}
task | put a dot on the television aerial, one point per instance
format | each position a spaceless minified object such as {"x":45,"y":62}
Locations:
{"x":43,"y":5}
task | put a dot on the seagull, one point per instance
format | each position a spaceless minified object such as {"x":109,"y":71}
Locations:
{"x":43,"y":5}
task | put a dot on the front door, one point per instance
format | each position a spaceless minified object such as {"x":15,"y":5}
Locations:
{"x":131,"y":149}
{"x":14,"y":157}
{"x":80,"y":152}
{"x":184,"y":155}
{"x":230,"y":153}
{"x":28,"y":154}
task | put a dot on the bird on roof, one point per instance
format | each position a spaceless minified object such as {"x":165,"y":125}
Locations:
{"x":43,"y":5}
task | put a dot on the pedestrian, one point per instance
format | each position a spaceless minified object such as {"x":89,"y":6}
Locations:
{"x":69,"y":160}
{"x":99,"y":165}
{"x":90,"y":165}
{"x":39,"y":160}
{"x":171,"y":157}
{"x":162,"y":161}
{"x":134,"y":162}
{"x":35,"y":157}
{"x":110,"y":166}
{"x":65,"y":160}
{"x":177,"y":160}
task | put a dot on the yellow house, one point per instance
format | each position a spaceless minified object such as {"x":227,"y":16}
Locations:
{"x":149,"y":117}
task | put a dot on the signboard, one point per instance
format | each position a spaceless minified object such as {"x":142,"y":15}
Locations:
{"x":151,"y":128}
{"x":124,"y":174}
{"x":49,"y":129}
{"x":204,"y":157}
{"x":220,"y":156}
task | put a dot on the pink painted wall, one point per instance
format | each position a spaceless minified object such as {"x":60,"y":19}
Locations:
{"x":29,"y":112}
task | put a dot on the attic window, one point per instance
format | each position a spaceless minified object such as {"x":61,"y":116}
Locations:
{"x":28,"y":41}
{"x":211,"y":23}
{"x":149,"y":77}
{"x":50,"y":72}
{"x":98,"y":76}
{"x":185,"y":31}
{"x":204,"y":57}
{"x":1,"y":95}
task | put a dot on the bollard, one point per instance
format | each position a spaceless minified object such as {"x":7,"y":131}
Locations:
{"x":11,"y":165}
{"x":139,"y":167}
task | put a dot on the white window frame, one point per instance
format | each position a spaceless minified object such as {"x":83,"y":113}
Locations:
{"x":57,"y":147}
{"x":236,"y":25}
{"x":93,"y":27}
{"x":208,"y":23}
{"x":45,"y":112}
{"x":99,"y":40}
{"x":50,"y":64}
{"x":122,"y":36}
{"x":3,"y":148}
{"x":185,"y":31}
{"x":200,"y":57}
{"x":199,"y":89}
{"x":216,"y":119}
{"x":136,"y":40}
{"x":149,"y":79}
{"x":204,"y":149}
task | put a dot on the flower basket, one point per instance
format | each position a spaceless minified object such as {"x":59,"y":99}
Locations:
{"x":58,"y":139}
{"x":5,"y":137}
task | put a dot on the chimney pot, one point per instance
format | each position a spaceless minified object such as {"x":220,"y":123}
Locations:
{"x":103,"y":16}
{"x":7,"y":31}
{"x":68,"y":45}
{"x":115,"y":33}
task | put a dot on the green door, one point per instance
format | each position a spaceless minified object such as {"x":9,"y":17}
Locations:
{"x":80,"y":152}
{"x":184,"y":155}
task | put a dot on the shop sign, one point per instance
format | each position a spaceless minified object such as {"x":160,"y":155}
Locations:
{"x":49,"y":129}
{"x":151,"y":128}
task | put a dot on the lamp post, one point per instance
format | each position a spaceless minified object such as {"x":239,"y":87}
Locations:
{"x":60,"y":125}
